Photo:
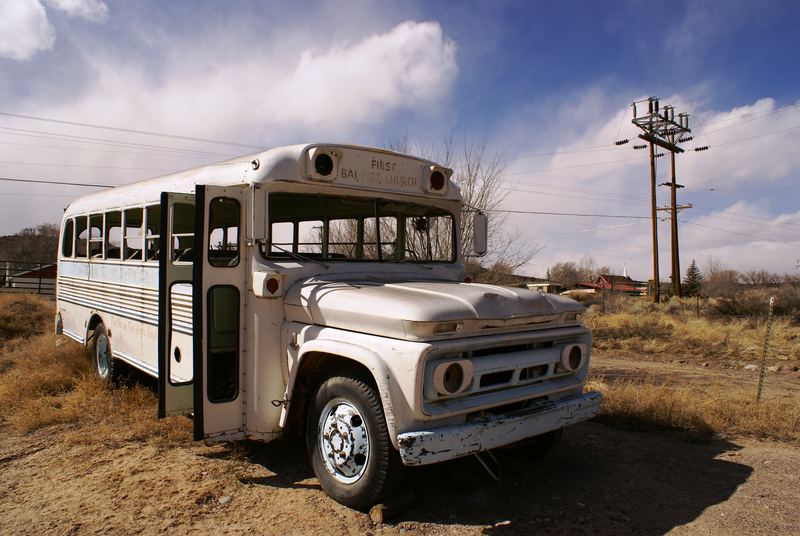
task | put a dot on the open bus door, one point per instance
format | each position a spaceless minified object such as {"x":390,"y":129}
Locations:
{"x":220,"y":269}
{"x":175,"y":340}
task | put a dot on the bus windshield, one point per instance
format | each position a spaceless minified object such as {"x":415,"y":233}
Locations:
{"x":357,"y":229}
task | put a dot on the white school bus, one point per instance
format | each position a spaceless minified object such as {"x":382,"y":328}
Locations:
{"x":319,"y":290}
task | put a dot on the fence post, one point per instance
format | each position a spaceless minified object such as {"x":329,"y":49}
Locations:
{"x":766,"y":349}
{"x":39,"y":290}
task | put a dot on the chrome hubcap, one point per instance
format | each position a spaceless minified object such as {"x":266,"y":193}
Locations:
{"x":343,"y":441}
{"x":103,"y":359}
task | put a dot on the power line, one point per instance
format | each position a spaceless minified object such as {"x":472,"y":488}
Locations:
{"x":132,"y":131}
{"x":547,"y":170}
{"x":105,"y":141}
{"x":742,"y":234}
{"x":169,"y":170}
{"x":68,"y":148}
{"x":60,"y":183}
{"x":577,"y":214}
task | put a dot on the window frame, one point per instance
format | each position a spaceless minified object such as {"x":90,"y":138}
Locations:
{"x":265,"y":249}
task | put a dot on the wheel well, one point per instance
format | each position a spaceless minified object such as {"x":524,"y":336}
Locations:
{"x":94,"y":321}
{"x":315,"y":368}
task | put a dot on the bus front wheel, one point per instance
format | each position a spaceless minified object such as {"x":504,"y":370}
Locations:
{"x":349,"y":445}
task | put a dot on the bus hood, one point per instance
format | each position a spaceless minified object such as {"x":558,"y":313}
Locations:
{"x":424,"y":310}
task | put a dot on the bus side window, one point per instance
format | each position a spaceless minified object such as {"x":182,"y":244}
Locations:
{"x":113,"y":234}
{"x":68,"y":238}
{"x":82,"y":237}
{"x":96,"y":236}
{"x":132,"y":246}
{"x":223,"y":232}
{"x":152,"y":232}
{"x":182,"y":233}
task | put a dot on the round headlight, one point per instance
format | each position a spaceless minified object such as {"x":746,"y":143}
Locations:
{"x":575,"y":357}
{"x":323,"y":164}
{"x":572,"y":356}
{"x":453,"y":378}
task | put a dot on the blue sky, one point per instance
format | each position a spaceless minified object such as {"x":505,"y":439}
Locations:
{"x":529,"y":79}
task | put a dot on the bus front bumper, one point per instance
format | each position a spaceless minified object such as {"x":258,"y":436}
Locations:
{"x":424,"y":447}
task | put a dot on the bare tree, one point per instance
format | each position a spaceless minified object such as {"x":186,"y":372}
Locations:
{"x":565,"y":273}
{"x":761,"y":278}
{"x":479,"y":175}
{"x":720,"y":281}
{"x":32,"y":244}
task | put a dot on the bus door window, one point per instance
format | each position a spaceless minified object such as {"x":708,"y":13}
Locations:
{"x":96,"y":236}
{"x":182,"y":233}
{"x":152,"y":231}
{"x":113,"y":235}
{"x":223,"y":343}
{"x":133,"y":245}
{"x":68,"y":238}
{"x":223,"y":232}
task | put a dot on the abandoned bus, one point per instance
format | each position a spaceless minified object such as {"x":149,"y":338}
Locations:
{"x":319,"y":290}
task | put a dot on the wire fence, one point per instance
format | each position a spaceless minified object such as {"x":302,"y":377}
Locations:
{"x":28,"y":277}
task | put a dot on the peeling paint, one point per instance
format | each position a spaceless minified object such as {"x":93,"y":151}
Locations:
{"x":424,"y":447}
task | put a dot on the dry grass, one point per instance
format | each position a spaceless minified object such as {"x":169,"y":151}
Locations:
{"x":24,"y":315}
{"x":659,"y":334}
{"x":648,"y":405}
{"x":47,"y":380}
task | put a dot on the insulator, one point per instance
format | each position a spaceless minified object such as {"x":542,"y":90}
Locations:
{"x":622,"y":142}
{"x":684,"y":140}
{"x":659,"y":155}
{"x":640,"y":146}
{"x":703,"y":148}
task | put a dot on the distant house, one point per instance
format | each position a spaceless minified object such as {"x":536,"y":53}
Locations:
{"x":544,"y":285}
{"x":41,"y":279}
{"x":616,"y":283}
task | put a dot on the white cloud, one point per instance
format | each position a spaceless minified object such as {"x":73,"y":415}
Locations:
{"x":267,"y":98}
{"x":745,"y":228}
{"x":91,"y":10}
{"x":24,"y":29}
{"x":293,"y":87}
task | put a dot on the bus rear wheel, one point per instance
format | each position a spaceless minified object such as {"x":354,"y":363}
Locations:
{"x":349,"y":445}
{"x":105,"y":366}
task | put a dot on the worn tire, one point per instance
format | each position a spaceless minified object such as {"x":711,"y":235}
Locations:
{"x":345,"y":412}
{"x":105,"y":366}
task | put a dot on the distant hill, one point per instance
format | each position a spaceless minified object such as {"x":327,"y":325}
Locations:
{"x":34,"y":244}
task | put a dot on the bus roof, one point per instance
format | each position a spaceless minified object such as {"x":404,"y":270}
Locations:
{"x":386,"y":170}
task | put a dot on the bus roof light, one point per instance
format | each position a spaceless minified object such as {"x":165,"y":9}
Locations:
{"x":437,"y":180}
{"x":323,"y":164}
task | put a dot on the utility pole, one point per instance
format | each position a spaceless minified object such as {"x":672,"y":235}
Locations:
{"x":660,"y":128}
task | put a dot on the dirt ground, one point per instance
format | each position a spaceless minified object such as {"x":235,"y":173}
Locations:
{"x":599,"y":480}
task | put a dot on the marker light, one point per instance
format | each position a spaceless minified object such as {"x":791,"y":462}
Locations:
{"x":272,"y":285}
